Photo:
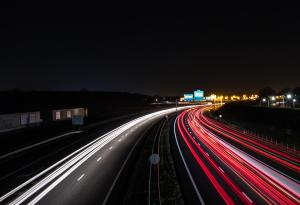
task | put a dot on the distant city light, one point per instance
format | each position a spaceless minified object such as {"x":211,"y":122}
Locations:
{"x":264,"y":100}
{"x":213,"y":96}
{"x":289,"y":96}
{"x":273,"y":98}
{"x":221,"y":98}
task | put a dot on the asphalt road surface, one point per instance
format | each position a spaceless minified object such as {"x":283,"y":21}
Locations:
{"x":218,"y":164}
{"x":215,"y":163}
{"x":89,"y":174}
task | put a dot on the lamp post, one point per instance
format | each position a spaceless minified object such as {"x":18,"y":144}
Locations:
{"x":288,"y":96}
{"x":272,"y":99}
{"x":264,"y":100}
{"x":283,"y":102}
{"x":294,"y":101}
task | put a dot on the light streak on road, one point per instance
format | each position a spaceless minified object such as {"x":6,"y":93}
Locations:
{"x":56,"y":173}
{"x":259,"y":180}
{"x":79,"y":178}
{"x":251,"y":142}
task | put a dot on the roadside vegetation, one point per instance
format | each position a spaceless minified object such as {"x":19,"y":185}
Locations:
{"x":280,"y":124}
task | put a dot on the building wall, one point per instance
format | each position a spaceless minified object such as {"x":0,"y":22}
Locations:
{"x":66,"y":114}
{"x":9,"y":121}
{"x":19,"y":120}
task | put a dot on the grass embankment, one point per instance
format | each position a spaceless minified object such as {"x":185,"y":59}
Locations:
{"x":170,"y":189}
{"x":281,"y":124}
{"x":137,"y":190}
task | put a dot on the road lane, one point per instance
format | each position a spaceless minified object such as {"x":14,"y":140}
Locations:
{"x":21,"y":166}
{"x":62,"y":181}
{"x":234,"y":176}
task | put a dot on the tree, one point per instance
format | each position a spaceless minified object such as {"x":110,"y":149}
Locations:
{"x":296,"y":91}
{"x":84,"y":90}
{"x":265,"y":92}
{"x":285,"y":91}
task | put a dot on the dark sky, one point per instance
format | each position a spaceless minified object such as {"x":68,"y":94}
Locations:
{"x":153,"y":50}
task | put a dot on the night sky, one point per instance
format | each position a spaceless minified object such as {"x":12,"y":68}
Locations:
{"x":165,"y":51}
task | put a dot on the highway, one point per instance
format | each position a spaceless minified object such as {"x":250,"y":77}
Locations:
{"x":20,"y":164}
{"x":216,"y":164}
{"x":90,"y":174}
{"x":219,"y":164}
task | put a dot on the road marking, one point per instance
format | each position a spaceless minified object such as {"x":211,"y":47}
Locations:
{"x":157,"y":135}
{"x":67,"y":165}
{"x":120,"y":171}
{"x":99,"y":159}
{"x":187,"y":169}
{"x":80,"y":177}
{"x":37,"y":144}
{"x":247,"y":197}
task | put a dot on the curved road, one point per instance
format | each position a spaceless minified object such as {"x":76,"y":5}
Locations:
{"x":224,"y":165}
{"x":88,"y":175}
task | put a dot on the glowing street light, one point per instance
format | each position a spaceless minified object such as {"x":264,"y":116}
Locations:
{"x":213,"y":96}
{"x":294,"y":101}
{"x":273,"y":98}
{"x":288,"y":96}
{"x":221,"y":98}
{"x":264,"y":100}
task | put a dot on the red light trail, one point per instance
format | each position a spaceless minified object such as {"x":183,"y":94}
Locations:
{"x":247,"y":177}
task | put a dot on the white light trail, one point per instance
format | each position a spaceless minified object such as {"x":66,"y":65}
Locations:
{"x":62,"y":169}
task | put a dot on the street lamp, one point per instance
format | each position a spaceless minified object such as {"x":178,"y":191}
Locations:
{"x":288,"y":96}
{"x":272,"y":98}
{"x":283,"y":102}
{"x":263,"y":100}
{"x":221,"y":97}
{"x":294,"y":101}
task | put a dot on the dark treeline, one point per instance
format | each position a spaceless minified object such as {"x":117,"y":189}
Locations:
{"x":280,"y":123}
{"x":268,"y":91}
{"x":18,"y":101}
